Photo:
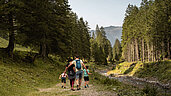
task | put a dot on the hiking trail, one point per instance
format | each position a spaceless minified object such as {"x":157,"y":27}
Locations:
{"x":56,"y":90}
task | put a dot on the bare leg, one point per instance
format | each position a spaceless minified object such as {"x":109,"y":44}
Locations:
{"x":85,"y":83}
{"x":64,"y":84}
{"x":72,"y":84}
{"x":79,"y":82}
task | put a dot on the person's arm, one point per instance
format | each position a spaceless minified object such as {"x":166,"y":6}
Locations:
{"x":68,"y":67}
{"x":60,"y":77}
{"x":89,"y":73}
{"x":66,"y":76}
{"x":74,"y":69}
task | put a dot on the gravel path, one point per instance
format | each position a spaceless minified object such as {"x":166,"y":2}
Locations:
{"x":58,"y":91}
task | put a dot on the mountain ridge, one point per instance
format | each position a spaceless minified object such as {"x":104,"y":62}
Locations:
{"x":112,"y":33}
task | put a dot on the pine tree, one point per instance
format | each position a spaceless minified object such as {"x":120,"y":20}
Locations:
{"x":9,"y":15}
{"x":146,"y":30}
{"x":117,"y":50}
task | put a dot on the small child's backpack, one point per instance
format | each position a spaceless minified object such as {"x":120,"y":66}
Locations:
{"x":78,"y":64}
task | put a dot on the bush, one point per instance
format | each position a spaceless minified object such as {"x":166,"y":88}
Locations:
{"x":150,"y":91}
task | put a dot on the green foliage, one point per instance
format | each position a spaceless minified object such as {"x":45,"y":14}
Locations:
{"x":150,"y":91}
{"x":114,"y":85}
{"x":4,"y":44}
{"x":117,"y":50}
{"x":105,"y":80}
{"x":159,"y":70}
{"x":81,"y":39}
{"x":18,"y":78}
{"x":49,"y":27}
{"x":101,"y":49}
{"x":145,"y":34}
{"x":130,"y":69}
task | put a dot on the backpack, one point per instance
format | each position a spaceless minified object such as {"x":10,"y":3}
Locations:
{"x":78,"y":64}
{"x":71,"y":73}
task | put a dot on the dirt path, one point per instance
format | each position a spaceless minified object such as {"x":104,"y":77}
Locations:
{"x":58,"y":91}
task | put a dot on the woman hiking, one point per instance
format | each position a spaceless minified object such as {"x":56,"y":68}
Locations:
{"x":71,"y":73}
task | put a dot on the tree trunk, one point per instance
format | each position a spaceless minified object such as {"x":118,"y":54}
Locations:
{"x":137,"y":51}
{"x":163,"y":50}
{"x":143,"y":51}
{"x":129,"y":53}
{"x":157,"y":55}
{"x":133,"y":51}
{"x":168,"y":29}
{"x":152,"y":52}
{"x":168,"y":48}
{"x":148,"y":48}
{"x":10,"y":47}
{"x":43,"y":47}
{"x":43,"y":50}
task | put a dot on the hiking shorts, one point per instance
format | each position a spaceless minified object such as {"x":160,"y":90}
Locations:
{"x":63,"y":80}
{"x":79,"y":74}
{"x":86,"y":78}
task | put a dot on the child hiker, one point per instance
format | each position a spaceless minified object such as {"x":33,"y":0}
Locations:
{"x":86,"y":77}
{"x":63,"y":77}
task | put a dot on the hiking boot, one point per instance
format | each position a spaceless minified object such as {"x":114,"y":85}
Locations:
{"x":62,"y":86}
{"x":73,"y":89}
{"x":85,"y":87}
{"x":78,"y":88}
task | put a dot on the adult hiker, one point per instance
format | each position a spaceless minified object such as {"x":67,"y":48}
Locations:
{"x":71,"y":73}
{"x":79,"y":70}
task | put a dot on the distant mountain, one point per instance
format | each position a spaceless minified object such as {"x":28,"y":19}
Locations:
{"x":112,"y":32}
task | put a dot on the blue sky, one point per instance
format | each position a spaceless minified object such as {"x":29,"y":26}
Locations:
{"x":102,"y":12}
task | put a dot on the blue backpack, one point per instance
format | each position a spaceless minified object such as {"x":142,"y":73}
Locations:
{"x":78,"y":64}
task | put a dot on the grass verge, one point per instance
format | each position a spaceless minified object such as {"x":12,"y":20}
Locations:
{"x":159,"y":70}
{"x":18,"y":78}
{"x":113,"y":85}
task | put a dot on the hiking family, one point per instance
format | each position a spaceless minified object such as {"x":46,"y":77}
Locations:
{"x":75,"y":70}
